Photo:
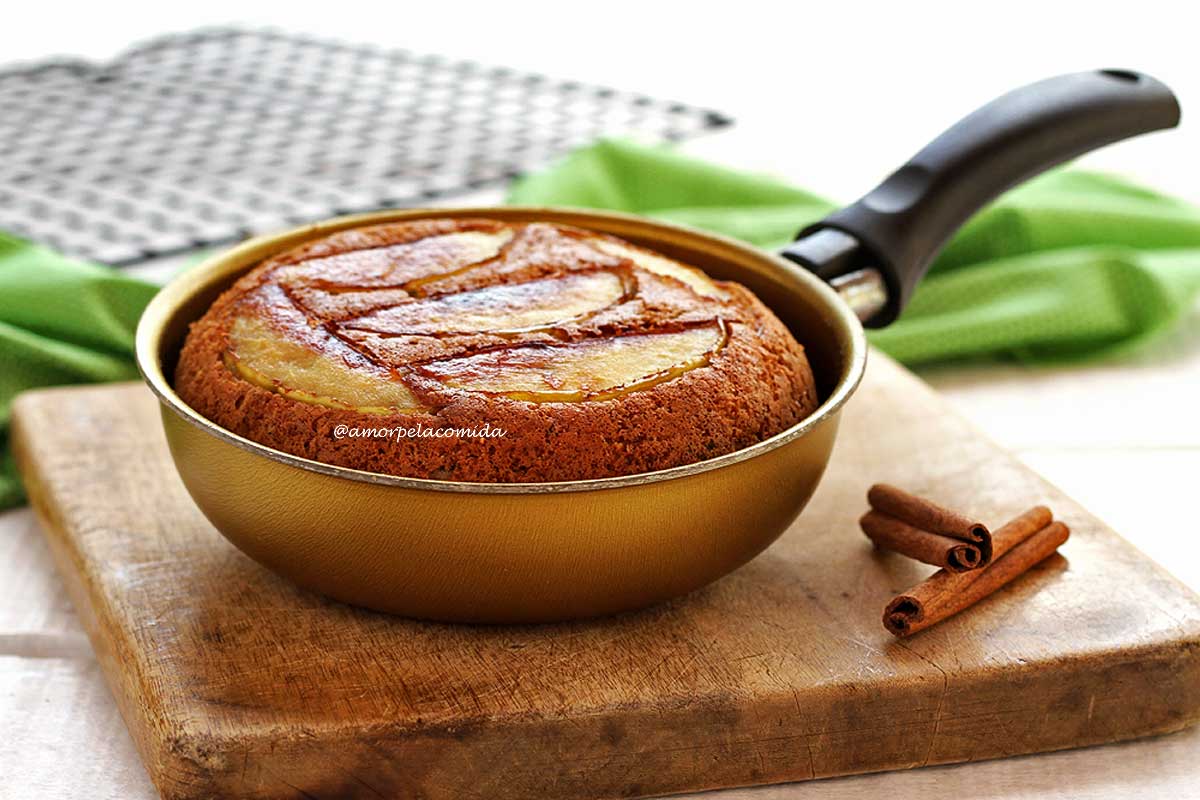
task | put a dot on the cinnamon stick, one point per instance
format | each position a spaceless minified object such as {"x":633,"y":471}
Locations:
{"x":1018,"y":545}
{"x":929,"y":516}
{"x":942,"y":551}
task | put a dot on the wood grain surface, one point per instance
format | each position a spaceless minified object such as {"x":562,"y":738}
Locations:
{"x":235,"y":683}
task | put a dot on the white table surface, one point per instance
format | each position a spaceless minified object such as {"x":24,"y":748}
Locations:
{"x":830,"y":100}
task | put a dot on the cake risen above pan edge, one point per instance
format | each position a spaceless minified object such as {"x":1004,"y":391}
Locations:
{"x":479,"y":350}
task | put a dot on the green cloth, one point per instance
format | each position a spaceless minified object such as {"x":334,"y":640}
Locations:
{"x":1068,"y":266}
{"x":61,"y":321}
{"x":1071,"y":265}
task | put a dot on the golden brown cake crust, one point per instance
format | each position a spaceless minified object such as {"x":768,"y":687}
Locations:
{"x":405,"y":325}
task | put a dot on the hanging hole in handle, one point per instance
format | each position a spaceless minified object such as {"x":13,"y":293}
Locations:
{"x":1122,"y":75}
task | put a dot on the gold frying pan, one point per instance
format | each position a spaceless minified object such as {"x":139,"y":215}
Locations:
{"x":552,"y":551}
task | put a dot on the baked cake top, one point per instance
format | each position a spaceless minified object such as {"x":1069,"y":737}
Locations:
{"x":403,"y":317}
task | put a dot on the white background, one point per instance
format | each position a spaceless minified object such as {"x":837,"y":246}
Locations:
{"x":831,"y":95}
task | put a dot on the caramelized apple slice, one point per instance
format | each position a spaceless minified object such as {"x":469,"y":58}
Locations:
{"x":592,"y":369}
{"x":425,"y":259}
{"x":499,"y":309}
{"x":696,"y":280}
{"x":262,"y":356}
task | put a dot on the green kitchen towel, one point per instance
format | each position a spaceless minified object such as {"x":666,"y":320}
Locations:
{"x":61,"y":321}
{"x":1070,"y":265}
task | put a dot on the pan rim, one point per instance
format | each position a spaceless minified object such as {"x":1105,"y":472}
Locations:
{"x":165,"y":304}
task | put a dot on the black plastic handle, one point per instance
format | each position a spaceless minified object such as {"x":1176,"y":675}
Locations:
{"x":901,"y":225}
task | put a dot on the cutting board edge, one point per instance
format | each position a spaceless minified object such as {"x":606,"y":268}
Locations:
{"x":190,"y":766}
{"x":74,"y":576}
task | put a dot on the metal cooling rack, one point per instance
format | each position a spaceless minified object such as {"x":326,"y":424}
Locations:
{"x":199,"y":138}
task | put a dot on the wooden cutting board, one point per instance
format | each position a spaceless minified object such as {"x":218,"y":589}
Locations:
{"x":235,"y":683}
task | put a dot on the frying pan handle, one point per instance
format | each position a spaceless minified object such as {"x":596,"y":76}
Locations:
{"x":895,"y":231}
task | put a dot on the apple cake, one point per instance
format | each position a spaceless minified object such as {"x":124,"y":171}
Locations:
{"x":480,"y":350}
